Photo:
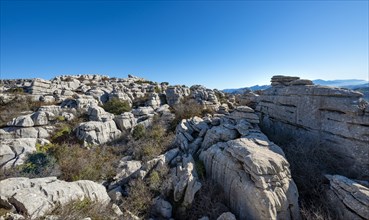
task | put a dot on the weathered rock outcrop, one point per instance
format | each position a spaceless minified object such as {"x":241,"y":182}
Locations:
{"x":126,"y":121}
{"x":256,"y":181}
{"x":96,"y":132}
{"x":252,"y":171}
{"x":348,"y":198}
{"x":204,"y":96}
{"x":36,"y":197}
{"x":175,"y":94}
{"x":336,"y":118}
{"x":14,"y":151}
{"x":186,"y":183}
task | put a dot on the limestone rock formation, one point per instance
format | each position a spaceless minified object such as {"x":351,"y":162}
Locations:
{"x":36,"y":197}
{"x":96,"y":113}
{"x":256,"y":181}
{"x":125,"y":121}
{"x":187,"y":184}
{"x":14,"y":151}
{"x":204,"y":96}
{"x":95,"y":132}
{"x":126,"y":169}
{"x":349,"y":199}
{"x":175,"y":94}
{"x":332,"y":116}
{"x":162,"y":208}
{"x":251,"y":169}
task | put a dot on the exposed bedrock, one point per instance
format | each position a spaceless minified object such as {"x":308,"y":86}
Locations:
{"x":349,"y":199}
{"x":251,"y":170}
{"x":256,"y":180}
{"x":36,"y":197}
{"x":337,"y":119}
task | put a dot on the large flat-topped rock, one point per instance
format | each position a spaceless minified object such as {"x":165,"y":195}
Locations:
{"x":336,"y":118}
{"x":280,"y":80}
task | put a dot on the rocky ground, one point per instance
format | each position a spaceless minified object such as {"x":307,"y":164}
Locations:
{"x":94,"y":147}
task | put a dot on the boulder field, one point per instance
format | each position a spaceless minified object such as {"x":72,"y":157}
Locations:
{"x":230,"y":140}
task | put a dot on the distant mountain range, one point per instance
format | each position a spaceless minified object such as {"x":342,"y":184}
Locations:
{"x":355,"y":84}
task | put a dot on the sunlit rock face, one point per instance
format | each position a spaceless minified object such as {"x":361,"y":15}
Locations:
{"x":337,"y":119}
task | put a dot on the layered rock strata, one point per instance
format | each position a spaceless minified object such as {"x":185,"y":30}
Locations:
{"x":337,"y":119}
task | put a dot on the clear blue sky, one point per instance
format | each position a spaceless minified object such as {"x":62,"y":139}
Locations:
{"x":222,"y":44}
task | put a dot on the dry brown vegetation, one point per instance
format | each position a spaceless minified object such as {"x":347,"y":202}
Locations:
{"x":82,"y":209}
{"x":186,"y":109}
{"x":147,"y":143}
{"x":19,"y":105}
{"x":308,"y":163}
{"x":209,"y":201}
{"x":141,"y":192}
{"x":79,"y":163}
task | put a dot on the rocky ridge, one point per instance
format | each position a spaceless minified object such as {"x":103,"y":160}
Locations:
{"x":337,"y":118}
{"x":252,"y":171}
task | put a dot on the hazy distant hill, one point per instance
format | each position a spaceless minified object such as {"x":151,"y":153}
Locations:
{"x":345,"y":83}
{"x":355,"y":84}
{"x":246,"y":89}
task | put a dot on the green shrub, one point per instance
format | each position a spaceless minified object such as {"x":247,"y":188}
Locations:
{"x":62,"y":134}
{"x":144,"y":82}
{"x":60,"y":118}
{"x":138,"y":131}
{"x":44,"y":148}
{"x":116,"y":106}
{"x":154,"y":180}
{"x":38,"y":163}
{"x":16,"y":90}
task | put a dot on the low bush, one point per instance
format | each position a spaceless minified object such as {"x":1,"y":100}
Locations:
{"x":116,"y":106}
{"x":140,"y":82}
{"x":82,"y":209}
{"x":157,"y":180}
{"x":151,"y":143}
{"x":77,"y":163}
{"x":61,"y":133}
{"x":141,"y":192}
{"x":138,"y":131}
{"x":139,"y":200}
{"x":140,"y":101}
{"x":186,"y":109}
{"x":16,"y":107}
{"x":38,"y":164}
{"x":209,"y":201}
{"x":16,"y":90}
{"x":309,"y":162}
